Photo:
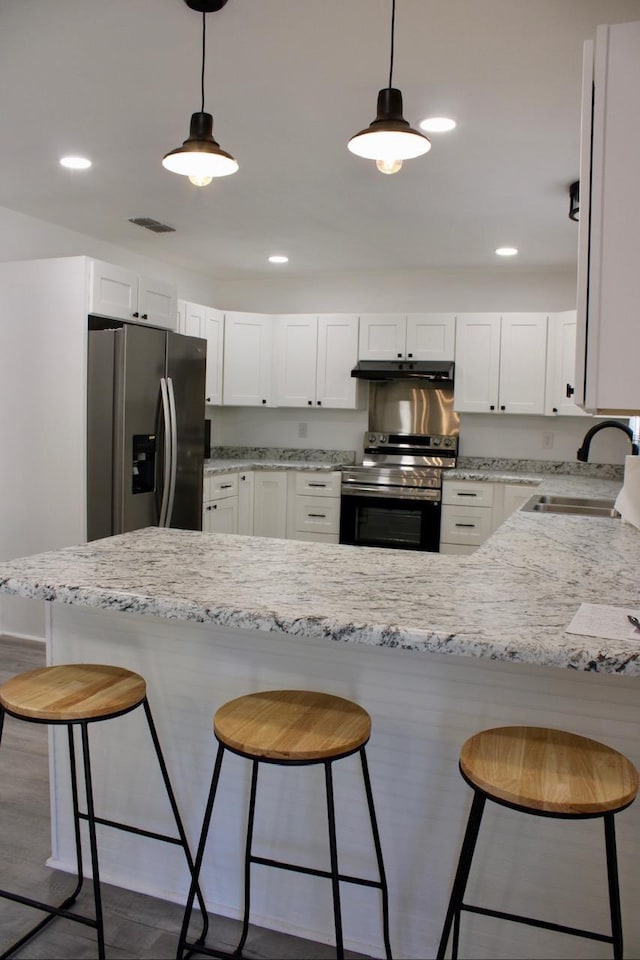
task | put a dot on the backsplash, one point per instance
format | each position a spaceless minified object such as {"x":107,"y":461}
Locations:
{"x":283,"y":453}
{"x":602,"y":471}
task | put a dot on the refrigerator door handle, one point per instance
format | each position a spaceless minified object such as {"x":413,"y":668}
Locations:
{"x":174,"y":450}
{"x":168,"y":452}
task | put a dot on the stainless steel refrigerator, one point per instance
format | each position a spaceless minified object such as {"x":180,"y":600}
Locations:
{"x":145,"y":419}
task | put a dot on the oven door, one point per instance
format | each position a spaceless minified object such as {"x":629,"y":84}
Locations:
{"x":380,"y":519}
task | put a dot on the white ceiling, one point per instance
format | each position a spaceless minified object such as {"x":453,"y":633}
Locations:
{"x":288,"y":82}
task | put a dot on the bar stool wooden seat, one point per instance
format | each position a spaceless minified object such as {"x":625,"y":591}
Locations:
{"x":291,"y":728}
{"x":75,"y":695}
{"x":547,"y":773}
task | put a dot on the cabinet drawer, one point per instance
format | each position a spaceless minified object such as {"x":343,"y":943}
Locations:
{"x":220,"y":485}
{"x":469,"y":493}
{"x":318,"y":514}
{"x":470,"y":526}
{"x":318,"y":484}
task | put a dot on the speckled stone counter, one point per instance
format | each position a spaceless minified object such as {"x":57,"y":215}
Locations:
{"x":511,"y":600}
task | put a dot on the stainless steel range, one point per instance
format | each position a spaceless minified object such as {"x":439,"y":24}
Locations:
{"x":393,"y":499}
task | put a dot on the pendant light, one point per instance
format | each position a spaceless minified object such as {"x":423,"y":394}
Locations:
{"x":200,"y":157}
{"x":389,"y":139}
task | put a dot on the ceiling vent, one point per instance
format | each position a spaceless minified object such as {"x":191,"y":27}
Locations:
{"x":150,"y":224}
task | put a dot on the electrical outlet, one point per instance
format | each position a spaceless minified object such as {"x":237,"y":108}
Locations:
{"x":302,"y":431}
{"x":547,"y":440}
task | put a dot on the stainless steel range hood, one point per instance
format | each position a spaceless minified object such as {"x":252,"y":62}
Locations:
{"x":434,"y":371}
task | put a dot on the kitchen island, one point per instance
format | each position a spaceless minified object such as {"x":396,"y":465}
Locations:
{"x":435,"y":647}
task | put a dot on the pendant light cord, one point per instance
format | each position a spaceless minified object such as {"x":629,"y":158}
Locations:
{"x":393,"y":27}
{"x":204,"y":34}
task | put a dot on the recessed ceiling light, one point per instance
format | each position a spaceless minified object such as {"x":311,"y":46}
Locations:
{"x":507,"y":251}
{"x":437,"y":124}
{"x":75,"y":163}
{"x":278,"y":259}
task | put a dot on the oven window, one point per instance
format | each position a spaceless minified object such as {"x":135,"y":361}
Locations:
{"x":392,"y":526}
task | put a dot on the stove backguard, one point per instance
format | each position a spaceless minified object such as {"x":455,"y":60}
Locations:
{"x":406,"y":406}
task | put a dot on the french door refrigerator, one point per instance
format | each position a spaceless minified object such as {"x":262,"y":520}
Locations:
{"x":145,"y":416}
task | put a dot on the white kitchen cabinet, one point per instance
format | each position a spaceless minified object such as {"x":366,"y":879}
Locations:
{"x":247,"y":359}
{"x":197,"y":320}
{"x":314,"y":506}
{"x":608,"y":332}
{"x":220,"y":503}
{"x":561,"y":361}
{"x":116,"y":292}
{"x":514,"y":496}
{"x":500,"y":363}
{"x":417,"y":336}
{"x":467,"y":515}
{"x":314,"y":356}
{"x":270,"y":503}
{"x":245,"y":502}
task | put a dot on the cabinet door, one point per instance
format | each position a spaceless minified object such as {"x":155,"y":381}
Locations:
{"x":212,"y":329}
{"x":477,"y":362}
{"x":561,"y":360}
{"x":158,"y":303}
{"x":382,"y":336}
{"x":245,"y":503}
{"x":247,"y":360}
{"x":270,"y":503}
{"x":337,"y":356}
{"x":113,"y":292}
{"x":295,"y":339}
{"x":515,"y":495}
{"x":191,"y":318}
{"x":523,"y":361}
{"x":221,"y":516}
{"x":431,"y":336}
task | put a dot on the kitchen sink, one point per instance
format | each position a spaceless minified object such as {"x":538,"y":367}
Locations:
{"x":577,"y":506}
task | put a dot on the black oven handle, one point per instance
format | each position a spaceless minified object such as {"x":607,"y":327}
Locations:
{"x":390,"y":493}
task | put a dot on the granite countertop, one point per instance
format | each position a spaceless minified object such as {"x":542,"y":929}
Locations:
{"x":509,"y":601}
{"x":221,"y":465}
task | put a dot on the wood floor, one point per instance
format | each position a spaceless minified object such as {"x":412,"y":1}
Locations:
{"x":136,"y":926}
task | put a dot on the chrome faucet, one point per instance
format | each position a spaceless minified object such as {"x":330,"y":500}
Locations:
{"x":583,"y":452}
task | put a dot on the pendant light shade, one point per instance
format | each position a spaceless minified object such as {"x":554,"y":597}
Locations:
{"x":201,"y":158}
{"x":389,"y":139}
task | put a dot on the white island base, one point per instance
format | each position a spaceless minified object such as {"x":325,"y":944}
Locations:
{"x":423,"y":707}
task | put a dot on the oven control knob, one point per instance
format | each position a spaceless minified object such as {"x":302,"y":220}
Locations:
{"x":372,"y":438}
{"x":448,"y":442}
{"x":436,"y":441}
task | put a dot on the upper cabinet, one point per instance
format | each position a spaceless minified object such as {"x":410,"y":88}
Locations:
{"x":119,"y":293}
{"x":247,"y":360}
{"x":313,"y":359}
{"x":415,"y":336}
{"x":196,"y":320}
{"x":608,"y":333}
{"x":500,"y":363}
{"x":561,"y":360}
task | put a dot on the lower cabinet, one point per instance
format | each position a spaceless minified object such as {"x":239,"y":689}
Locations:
{"x":472,"y":510}
{"x":220,"y":503}
{"x":270,"y":503}
{"x":245,"y":502}
{"x":314,"y":506}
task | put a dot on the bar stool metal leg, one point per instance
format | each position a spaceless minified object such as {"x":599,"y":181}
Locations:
{"x":462,"y":875}
{"x":93,"y":844}
{"x":247,"y":859}
{"x":378,"y":848}
{"x":614,"y":888}
{"x":333,"y":852}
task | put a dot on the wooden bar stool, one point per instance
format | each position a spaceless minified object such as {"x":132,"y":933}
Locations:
{"x":547,"y":773}
{"x":75,"y":695}
{"x":290,"y":728}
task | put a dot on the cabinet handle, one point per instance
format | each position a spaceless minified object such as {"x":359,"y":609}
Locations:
{"x":465,"y":524}
{"x":320,"y":515}
{"x":136,"y":314}
{"x":492,"y":407}
{"x":570,"y":390}
{"x":461,"y":493}
{"x":264,"y":401}
{"x":319,"y":402}
{"x":503,"y":407}
{"x":207,"y":399}
{"x":145,"y":316}
{"x":399,"y":356}
{"x":310,"y":403}
{"x":315,"y":483}
{"x":409,"y":354}
{"x":225,"y":486}
{"x":554,"y":410}
{"x":243,"y":477}
{"x":214,"y":506}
